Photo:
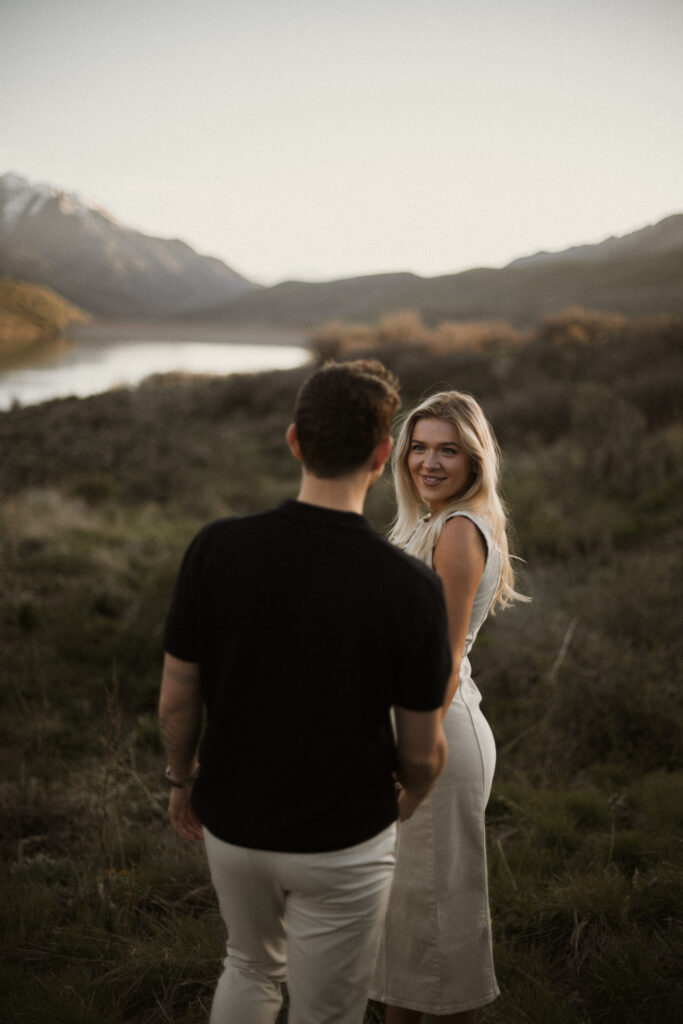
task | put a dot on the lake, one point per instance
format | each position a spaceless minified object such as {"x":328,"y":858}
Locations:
{"x":94,"y":358}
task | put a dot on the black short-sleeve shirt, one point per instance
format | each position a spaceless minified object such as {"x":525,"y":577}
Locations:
{"x":307,"y":626}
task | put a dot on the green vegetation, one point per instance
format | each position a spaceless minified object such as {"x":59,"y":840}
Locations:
{"x":31,"y":314}
{"x":107,"y":915}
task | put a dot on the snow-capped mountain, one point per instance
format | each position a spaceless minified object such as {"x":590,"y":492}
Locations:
{"x":51,"y":237}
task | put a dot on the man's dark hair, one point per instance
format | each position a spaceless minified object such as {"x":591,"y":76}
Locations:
{"x":342,"y":413}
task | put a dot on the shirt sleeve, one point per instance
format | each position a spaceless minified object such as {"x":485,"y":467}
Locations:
{"x":182,"y":630}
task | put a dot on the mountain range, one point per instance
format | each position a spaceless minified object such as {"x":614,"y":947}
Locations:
{"x":54,"y":238}
{"x":637,"y":275}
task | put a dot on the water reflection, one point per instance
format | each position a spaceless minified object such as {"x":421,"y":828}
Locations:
{"x":42,"y":353}
{"x":96,"y":361}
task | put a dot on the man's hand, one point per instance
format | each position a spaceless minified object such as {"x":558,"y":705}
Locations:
{"x":407,"y":803}
{"x":421,"y":748}
{"x":183,"y":818}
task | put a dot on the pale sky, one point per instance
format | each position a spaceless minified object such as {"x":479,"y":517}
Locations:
{"x":316,"y":140}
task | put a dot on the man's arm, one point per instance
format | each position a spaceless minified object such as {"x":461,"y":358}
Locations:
{"x":422,"y":753}
{"x":180,"y":716}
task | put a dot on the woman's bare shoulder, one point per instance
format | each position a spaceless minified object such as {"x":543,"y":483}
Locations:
{"x":460,"y":538}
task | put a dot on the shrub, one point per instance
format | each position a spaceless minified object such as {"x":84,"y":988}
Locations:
{"x":579,"y":326}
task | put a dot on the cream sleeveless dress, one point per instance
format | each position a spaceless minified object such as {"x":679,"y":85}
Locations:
{"x":435,"y":953}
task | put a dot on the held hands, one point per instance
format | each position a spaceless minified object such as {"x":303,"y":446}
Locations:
{"x":408,"y":800}
{"x":182,"y":816}
{"x":407,"y":804}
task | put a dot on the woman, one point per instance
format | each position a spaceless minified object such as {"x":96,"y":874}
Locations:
{"x":435,"y":956}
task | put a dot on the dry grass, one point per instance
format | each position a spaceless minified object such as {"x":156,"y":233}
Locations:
{"x":107,"y":916}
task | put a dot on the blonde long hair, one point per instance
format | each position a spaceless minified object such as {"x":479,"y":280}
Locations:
{"x":480,"y":497}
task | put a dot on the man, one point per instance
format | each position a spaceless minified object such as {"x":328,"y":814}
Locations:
{"x":299,"y":629}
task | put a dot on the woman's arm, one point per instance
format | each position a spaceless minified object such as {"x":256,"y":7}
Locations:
{"x":459,"y":559}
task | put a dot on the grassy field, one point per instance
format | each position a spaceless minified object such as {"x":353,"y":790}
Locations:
{"x":108,"y":916}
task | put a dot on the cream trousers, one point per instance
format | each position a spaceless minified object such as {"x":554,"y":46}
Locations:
{"x":310,"y":919}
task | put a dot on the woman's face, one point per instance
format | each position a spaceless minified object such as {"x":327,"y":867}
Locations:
{"x":438,"y":466}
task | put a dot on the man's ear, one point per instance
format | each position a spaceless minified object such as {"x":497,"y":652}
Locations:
{"x":382,"y":453}
{"x":293,"y":442}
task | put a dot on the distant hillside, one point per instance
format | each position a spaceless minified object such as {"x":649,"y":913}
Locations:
{"x":663,"y":237}
{"x":30,"y":313}
{"x":301,"y":303}
{"x":49,"y":237}
{"x":638,"y":274}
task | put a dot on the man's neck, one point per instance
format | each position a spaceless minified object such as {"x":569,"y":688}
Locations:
{"x":343,"y":494}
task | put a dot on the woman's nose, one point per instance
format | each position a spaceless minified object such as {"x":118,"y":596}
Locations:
{"x":431,"y":459}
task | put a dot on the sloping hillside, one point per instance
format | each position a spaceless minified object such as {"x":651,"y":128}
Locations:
{"x":637,"y":275}
{"x":30,"y":313}
{"x":664,"y":236}
{"x":50,"y":237}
